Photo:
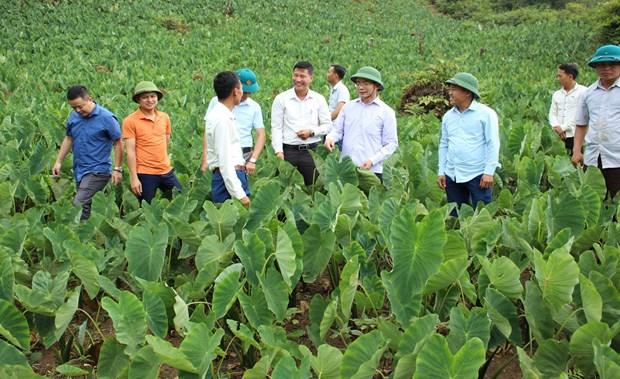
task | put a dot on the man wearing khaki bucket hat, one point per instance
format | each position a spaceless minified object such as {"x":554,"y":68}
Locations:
{"x":468,"y":145}
{"x":147,"y":134}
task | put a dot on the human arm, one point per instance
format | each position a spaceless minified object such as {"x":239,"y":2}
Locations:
{"x":336,"y":111}
{"x":250,"y":166}
{"x":223,"y":135}
{"x":277,"y":125}
{"x":132,"y":165}
{"x":582,"y":119}
{"x":442,"y":154}
{"x":336,"y":132}
{"x":554,"y":120}
{"x":65,"y":148}
{"x":117,"y":176}
{"x":204,"y":165}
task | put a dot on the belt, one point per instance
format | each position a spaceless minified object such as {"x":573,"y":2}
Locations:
{"x":246,"y":149}
{"x":303,"y":146}
{"x":237,"y":168}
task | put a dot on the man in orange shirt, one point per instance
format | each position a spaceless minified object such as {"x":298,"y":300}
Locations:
{"x":147,"y":134}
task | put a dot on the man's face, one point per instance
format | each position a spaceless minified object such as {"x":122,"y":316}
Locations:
{"x":458,"y":95}
{"x":83,"y":106}
{"x":148,"y":100}
{"x":301,"y":79}
{"x":366,"y":89}
{"x":332,"y":77}
{"x":608,"y":70}
{"x":564,"y":78}
{"x":237,"y":94}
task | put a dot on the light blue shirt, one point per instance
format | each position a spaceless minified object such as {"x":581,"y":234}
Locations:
{"x":337,"y":94}
{"x":367,"y":131}
{"x":248,"y":116}
{"x":469,"y":143}
{"x":600,"y":111}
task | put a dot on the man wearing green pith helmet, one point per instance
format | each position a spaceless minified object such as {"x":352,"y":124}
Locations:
{"x":598,"y":119}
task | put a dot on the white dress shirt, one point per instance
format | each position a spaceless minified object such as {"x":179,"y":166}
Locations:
{"x":338,"y":94}
{"x":563,"y":108}
{"x":223,"y":148}
{"x":289,"y":114}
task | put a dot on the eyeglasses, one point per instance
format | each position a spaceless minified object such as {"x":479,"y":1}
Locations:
{"x":362,"y":83}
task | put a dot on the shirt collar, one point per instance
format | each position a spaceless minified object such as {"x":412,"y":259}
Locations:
{"x":376,"y":101}
{"x":335,"y":86}
{"x":616,"y":84}
{"x":293,"y":95}
{"x":142,"y":116}
{"x":474,"y":106}
{"x":219,"y":107}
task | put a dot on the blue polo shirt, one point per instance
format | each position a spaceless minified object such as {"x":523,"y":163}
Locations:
{"x":248,"y":116}
{"x":92,"y":137}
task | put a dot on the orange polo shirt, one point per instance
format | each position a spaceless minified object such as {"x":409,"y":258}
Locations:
{"x":151,"y":141}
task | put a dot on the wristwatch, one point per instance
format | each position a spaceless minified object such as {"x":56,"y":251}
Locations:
{"x":252,"y":160}
{"x":118,"y":169}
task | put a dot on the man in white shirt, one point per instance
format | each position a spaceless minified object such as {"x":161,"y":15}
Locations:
{"x":299,"y":117}
{"x":564,"y":104}
{"x":224,"y":154}
{"x":338,"y":92}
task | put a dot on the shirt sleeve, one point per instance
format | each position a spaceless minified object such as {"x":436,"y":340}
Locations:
{"x":129,"y":129}
{"x":258,"y":118}
{"x":553,"y":112}
{"x":491,"y":135}
{"x":114,"y":130}
{"x":343,"y":94}
{"x":69,"y":128}
{"x":212,"y":103}
{"x":389,"y":138}
{"x":337,"y":131}
{"x":223,"y":137}
{"x":583,"y":116}
{"x":277,"y":123}
{"x":443,"y":148}
{"x":168,"y":127}
{"x":325,"y":118}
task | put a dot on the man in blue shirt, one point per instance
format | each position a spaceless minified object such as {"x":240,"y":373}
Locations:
{"x":366,"y":126}
{"x":248,"y":117}
{"x":91,"y":132}
{"x":468,"y":145}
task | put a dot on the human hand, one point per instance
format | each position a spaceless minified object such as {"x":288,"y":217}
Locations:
{"x":280,"y":155}
{"x":329,"y":143}
{"x":441,"y":181}
{"x":136,"y":186}
{"x":366,"y":165}
{"x":56,"y":169}
{"x":486,"y":181}
{"x":250,"y":168}
{"x":577,"y":158}
{"x":245,"y":201}
{"x":204,"y":167}
{"x":305,"y":133}
{"x":117,"y":178}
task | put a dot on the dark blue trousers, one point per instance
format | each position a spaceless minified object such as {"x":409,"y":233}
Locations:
{"x":467,"y":192}
{"x":219,"y":193}
{"x":165,"y":183}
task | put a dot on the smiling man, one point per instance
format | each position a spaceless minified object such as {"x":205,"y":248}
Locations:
{"x":468,"y":145}
{"x":598,"y":119}
{"x":366,"y":125}
{"x":91,"y":132}
{"x":147,"y":134}
{"x":299,"y":117}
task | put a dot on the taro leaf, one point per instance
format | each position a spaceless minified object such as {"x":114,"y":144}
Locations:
{"x":9,"y":355}
{"x":606,"y":360}
{"x":200,"y":346}
{"x":593,"y":177}
{"x":367,"y":179}
{"x":211,"y":250}
{"x":7,"y":277}
{"x":435,"y":360}
{"x":264,"y":204}
{"x":504,"y":275}
{"x":417,"y":252}
{"x":591,"y":299}
{"x":526,"y":364}
{"x":551,"y":358}
{"x":260,"y":369}
{"x":340,"y":171}
{"x":556,"y":277}
{"x":129,"y":320}
{"x":591,"y":204}
{"x":146,"y":252}
{"x":329,"y":316}
{"x":286,"y":368}
{"x":156,"y":315}
{"x":222,"y":220}
{"x":251,"y":252}
{"x":109,"y":286}
{"x":227,"y":286}
{"x":70,"y":370}
{"x":86,"y":271}
{"x":244,"y":334}
{"x":18,"y":372}
{"x":326,"y":364}
{"x":285,"y":255}
{"x":350,"y":200}
{"x":559,"y":216}
{"x":255,"y":308}
{"x":349,"y":279}
{"x":276,"y":292}
{"x":13,"y":325}
{"x":537,"y":313}
{"x":181,"y":315}
{"x":144,"y":364}
{"x":608,"y":291}
{"x":580,"y":344}
{"x":466,"y":324}
{"x":318,"y":250}
{"x":65,"y":313}
{"x":503,"y":313}
{"x":170,"y":355}
{"x":452,"y":268}
{"x":412,"y":342}
{"x":362,"y":356}
{"x":112,"y":360}
{"x":317,"y":308}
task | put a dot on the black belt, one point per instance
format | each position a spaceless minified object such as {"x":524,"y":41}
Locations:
{"x":303,"y":146}
{"x":246,"y":149}
{"x":237,"y":168}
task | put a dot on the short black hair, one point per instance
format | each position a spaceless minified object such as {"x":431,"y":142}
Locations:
{"x":570,"y":68}
{"x":304,"y":65}
{"x":77,"y":91}
{"x":339,"y":70}
{"x":224,"y":83}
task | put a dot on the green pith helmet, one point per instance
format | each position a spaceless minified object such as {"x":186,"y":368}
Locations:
{"x":145,"y":86}
{"x":248,"y":80}
{"x":467,"y":81}
{"x":369,"y":73}
{"x":605,"y":54}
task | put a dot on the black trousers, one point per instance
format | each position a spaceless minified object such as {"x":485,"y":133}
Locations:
{"x":568,"y":144}
{"x":612,"y":179}
{"x":303,"y":162}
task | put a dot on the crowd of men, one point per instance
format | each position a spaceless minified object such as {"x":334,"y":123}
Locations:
{"x":364,"y":129}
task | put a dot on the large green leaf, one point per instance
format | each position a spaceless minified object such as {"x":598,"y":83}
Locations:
{"x":318,"y":250}
{"x":264,"y":204}
{"x":129,"y":320}
{"x":70,"y":371}
{"x":200,"y":345}
{"x":537,"y":312}
{"x":416,"y":249}
{"x":276,"y":292}
{"x":435,"y":360}
{"x":156,"y":315}
{"x":557,"y":277}
{"x":10,"y":355}
{"x":411,"y":343}
{"x":285,"y":255}
{"x":504,"y":275}
{"x":503,"y":313}
{"x":255,"y":307}
{"x":560,"y":216}
{"x":591,"y":299}
{"x":222,"y":220}
{"x":580,"y":345}
{"x":227,"y":286}
{"x":466,"y":324}
{"x":65,"y":313}
{"x":362,"y":356}
{"x":7,"y":277}
{"x":170,"y":355}
{"x":212,"y":250}
{"x":606,"y":360}
{"x":86,"y":270}
{"x":251,"y":251}
{"x":13,"y":325}
{"x":339,"y":171}
{"x":260,"y":370}
{"x":146,"y":251}
{"x":286,"y":368}
{"x":112,"y":360}
{"x":144,"y":364}
{"x":551,"y":358}
{"x":329,"y":316}
{"x":349,"y":279}
{"x":326,"y":363}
